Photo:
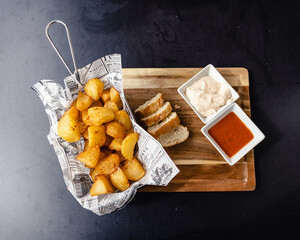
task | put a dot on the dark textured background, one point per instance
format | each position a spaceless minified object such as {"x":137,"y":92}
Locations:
{"x":262,"y":36}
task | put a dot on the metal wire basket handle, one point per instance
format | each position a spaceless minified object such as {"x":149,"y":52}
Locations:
{"x":70,"y":45}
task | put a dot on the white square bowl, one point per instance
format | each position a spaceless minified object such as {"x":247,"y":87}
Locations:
{"x":258,"y":135}
{"x":209,"y":70}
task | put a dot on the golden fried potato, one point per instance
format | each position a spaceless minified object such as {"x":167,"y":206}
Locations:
{"x":93,"y":172}
{"x":100,"y":115}
{"x":108,"y":164}
{"x":68,"y":128}
{"x":105,"y":95}
{"x":86,"y":134}
{"x":132,"y":169}
{"x":116,"y":144}
{"x":114,"y":95}
{"x":119,"y":180}
{"x":112,"y":106}
{"x":86,"y":144}
{"x":82,"y":127}
{"x":96,"y":135}
{"x":74,"y":103}
{"x":90,"y":157}
{"x":84,"y":116}
{"x":116,"y":130}
{"x":123,"y":118}
{"x":73,"y":113}
{"x":83,"y":101}
{"x":128,"y":145}
{"x":94,"y":88}
{"x":97,"y":104}
{"x":101,"y":186}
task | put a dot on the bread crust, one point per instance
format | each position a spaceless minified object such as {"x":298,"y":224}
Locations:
{"x":151,"y":120}
{"x":150,"y":108}
{"x":165,"y":128}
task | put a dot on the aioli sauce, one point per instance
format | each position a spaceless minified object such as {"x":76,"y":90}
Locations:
{"x":207,"y":95}
{"x":231,"y":134}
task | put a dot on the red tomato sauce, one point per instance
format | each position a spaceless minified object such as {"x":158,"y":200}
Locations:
{"x":231,"y":134}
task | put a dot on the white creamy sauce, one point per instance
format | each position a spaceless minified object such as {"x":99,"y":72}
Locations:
{"x":207,"y":95}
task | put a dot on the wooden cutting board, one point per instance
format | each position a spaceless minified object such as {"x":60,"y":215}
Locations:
{"x":201,"y":167}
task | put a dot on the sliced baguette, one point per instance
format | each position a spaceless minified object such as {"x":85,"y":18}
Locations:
{"x":175,"y":136}
{"x":150,"y":106}
{"x":165,"y":126}
{"x":158,"y":115}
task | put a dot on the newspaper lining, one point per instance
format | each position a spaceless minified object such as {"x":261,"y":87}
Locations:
{"x":159,"y":168}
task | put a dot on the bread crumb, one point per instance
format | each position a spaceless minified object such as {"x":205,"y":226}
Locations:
{"x":177,"y":106}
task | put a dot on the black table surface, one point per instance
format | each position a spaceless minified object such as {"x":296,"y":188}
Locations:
{"x":262,"y":36}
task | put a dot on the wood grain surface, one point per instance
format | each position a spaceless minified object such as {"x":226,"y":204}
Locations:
{"x":201,"y":167}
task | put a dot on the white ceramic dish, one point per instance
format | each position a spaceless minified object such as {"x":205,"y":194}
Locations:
{"x":209,"y":70}
{"x":258,"y":135}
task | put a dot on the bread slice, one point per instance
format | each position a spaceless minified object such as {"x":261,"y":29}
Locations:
{"x":158,"y":115}
{"x":150,"y":106}
{"x":165,"y":126}
{"x":175,"y":136}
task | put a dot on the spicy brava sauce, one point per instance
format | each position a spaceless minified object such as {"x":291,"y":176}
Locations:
{"x":231,"y":134}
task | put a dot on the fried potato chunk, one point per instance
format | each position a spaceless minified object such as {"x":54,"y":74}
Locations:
{"x":82,"y":127}
{"x":67,"y":127}
{"x":101,"y":186}
{"x":128,"y":145}
{"x":94,"y":88}
{"x":84,"y":116}
{"x":100,"y":115}
{"x":119,"y":180}
{"x":105,"y":95}
{"x":114,"y":95}
{"x":116,"y":130}
{"x":132,"y":169}
{"x":86,"y":144}
{"x":89,"y":157}
{"x":108,"y":164}
{"x":96,"y":135}
{"x":86,"y":134}
{"x":123,"y":118}
{"x":116,"y":144}
{"x":74,"y":103}
{"x":73,"y":113}
{"x":112,"y":106}
{"x":93,"y":172}
{"x":83,"y":101}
